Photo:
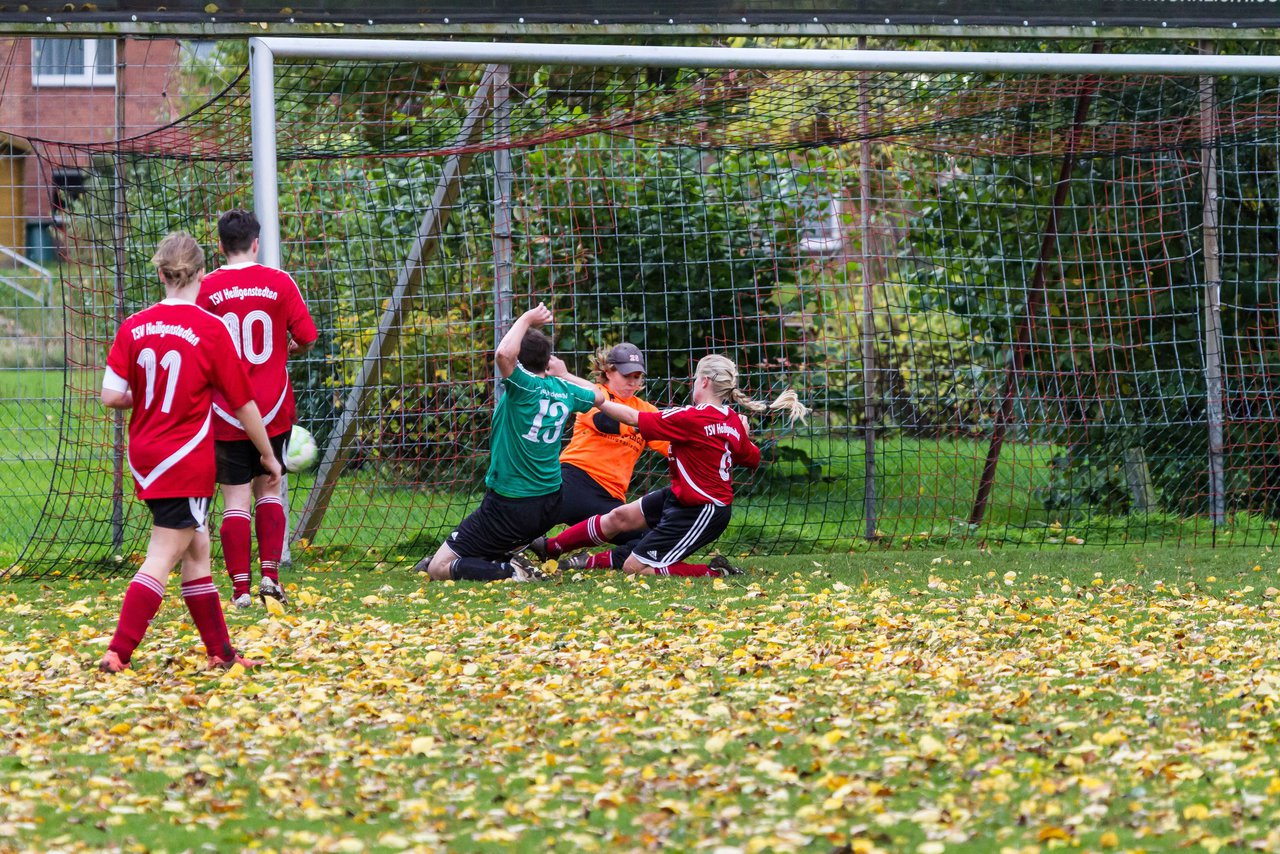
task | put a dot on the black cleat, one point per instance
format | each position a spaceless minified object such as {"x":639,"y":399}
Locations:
{"x":721,"y":564}
{"x":523,"y":570}
{"x":539,"y":548}
{"x":268,"y":587}
{"x":574,"y":561}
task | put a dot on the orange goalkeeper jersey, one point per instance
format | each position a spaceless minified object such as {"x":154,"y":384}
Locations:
{"x":609,"y":458}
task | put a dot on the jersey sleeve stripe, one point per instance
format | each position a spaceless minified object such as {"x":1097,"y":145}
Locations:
{"x":111,"y":381}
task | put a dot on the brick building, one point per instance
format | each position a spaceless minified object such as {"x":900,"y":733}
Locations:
{"x":67,"y":90}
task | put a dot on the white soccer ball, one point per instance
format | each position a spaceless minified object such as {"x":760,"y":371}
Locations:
{"x":301,"y":454}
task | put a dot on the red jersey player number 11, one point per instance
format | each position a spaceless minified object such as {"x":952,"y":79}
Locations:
{"x":164,"y":366}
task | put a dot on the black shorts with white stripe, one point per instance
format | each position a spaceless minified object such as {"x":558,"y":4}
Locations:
{"x":680,"y":531}
{"x":179,"y":513}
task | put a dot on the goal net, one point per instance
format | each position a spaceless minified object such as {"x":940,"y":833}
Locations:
{"x":1023,"y":307}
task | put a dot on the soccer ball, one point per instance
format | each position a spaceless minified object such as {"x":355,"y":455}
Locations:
{"x":301,"y":454}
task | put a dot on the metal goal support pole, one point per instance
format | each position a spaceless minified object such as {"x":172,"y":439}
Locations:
{"x":1212,"y":296}
{"x":868,"y":310}
{"x":503,"y":263}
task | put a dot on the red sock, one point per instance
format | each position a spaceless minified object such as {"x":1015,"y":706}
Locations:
{"x":577,"y":536}
{"x":236,"y":548}
{"x":269,"y":522}
{"x":142,"y":599}
{"x":600,"y":560}
{"x":202,"y":601}
{"x":690,"y":570}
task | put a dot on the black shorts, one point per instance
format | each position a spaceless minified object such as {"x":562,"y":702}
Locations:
{"x":179,"y":513}
{"x":502,"y":526}
{"x":239,"y":461}
{"x":679,"y":529}
{"x":582,"y":497}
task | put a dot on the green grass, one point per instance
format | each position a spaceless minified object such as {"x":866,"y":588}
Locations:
{"x":964,"y":701}
{"x":30,"y":417}
{"x":31,"y":333}
{"x":808,"y":500}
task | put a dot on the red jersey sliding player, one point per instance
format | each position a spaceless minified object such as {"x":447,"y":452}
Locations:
{"x":165,"y":365}
{"x":707,"y":440}
{"x":268,"y":321}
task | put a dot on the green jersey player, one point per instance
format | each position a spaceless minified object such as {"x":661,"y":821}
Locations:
{"x":523,"y":496}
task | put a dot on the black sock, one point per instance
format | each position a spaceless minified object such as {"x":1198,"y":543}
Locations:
{"x":478,"y":569}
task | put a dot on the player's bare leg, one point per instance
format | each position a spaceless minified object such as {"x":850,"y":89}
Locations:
{"x":437,"y":566}
{"x":634,"y":567}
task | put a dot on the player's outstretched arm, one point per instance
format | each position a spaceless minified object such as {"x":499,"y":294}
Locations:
{"x":257,"y":433}
{"x":508,"y":351}
{"x":618,"y":412}
{"x":557,"y":368}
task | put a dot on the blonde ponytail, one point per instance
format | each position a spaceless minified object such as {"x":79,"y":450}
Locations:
{"x":600,"y":366}
{"x":723,"y":375}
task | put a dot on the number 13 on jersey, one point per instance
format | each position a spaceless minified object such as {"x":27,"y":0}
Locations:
{"x":548,"y":422}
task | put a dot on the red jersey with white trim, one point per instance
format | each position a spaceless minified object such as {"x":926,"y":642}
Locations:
{"x":262,"y":308}
{"x":172,"y":356}
{"x":706,"y":442}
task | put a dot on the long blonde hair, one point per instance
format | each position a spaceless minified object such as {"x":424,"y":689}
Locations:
{"x":179,"y":259}
{"x":723,"y":375}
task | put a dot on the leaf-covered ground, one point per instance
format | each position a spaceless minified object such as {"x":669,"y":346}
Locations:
{"x":895,"y":701}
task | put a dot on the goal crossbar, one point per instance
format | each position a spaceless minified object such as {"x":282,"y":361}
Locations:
{"x":771,"y":58}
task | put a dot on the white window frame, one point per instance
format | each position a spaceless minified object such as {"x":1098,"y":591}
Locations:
{"x":89,"y":74}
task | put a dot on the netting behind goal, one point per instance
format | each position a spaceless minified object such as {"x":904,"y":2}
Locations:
{"x":990,"y":288}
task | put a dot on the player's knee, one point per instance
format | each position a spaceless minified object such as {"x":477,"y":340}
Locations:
{"x":619,"y":520}
{"x":631,"y":566}
{"x":609,"y":522}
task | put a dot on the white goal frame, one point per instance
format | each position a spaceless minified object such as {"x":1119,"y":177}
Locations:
{"x":498,"y":56}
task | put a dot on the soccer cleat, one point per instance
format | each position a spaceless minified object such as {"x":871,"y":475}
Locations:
{"x":218,"y":662}
{"x":523,"y":570}
{"x":243,"y":601}
{"x":421,"y":566}
{"x":575,"y":561}
{"x":721,"y":564}
{"x":271,"y":587}
{"x":539,"y":548}
{"x":111,"y":663}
